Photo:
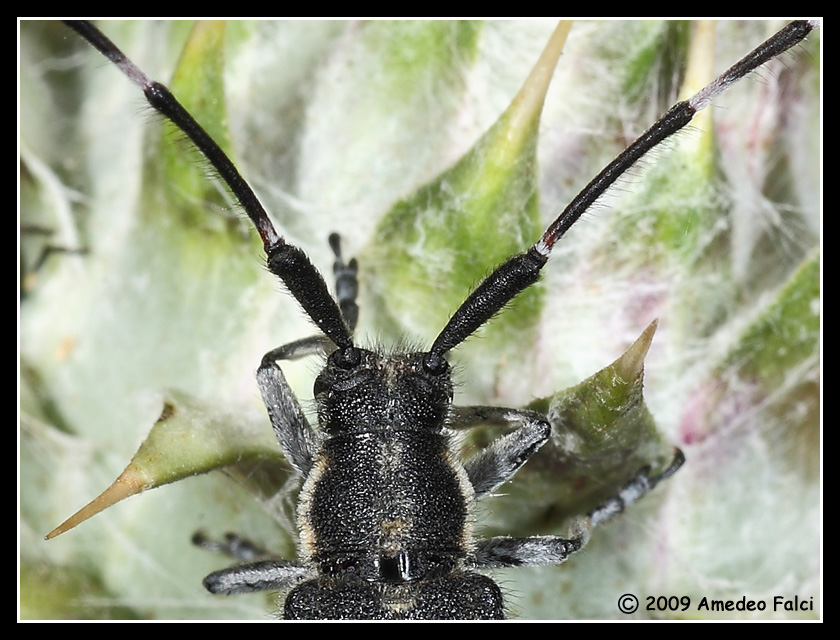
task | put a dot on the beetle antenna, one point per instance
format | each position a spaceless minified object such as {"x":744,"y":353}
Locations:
{"x":523,"y":270}
{"x":286,"y":261}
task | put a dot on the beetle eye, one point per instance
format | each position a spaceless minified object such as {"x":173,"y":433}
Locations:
{"x":435,"y":364}
{"x":347,"y":358}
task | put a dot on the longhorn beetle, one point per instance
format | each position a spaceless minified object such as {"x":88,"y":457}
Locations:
{"x":404,"y":569}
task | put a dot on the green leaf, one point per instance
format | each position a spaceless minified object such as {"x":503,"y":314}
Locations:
{"x":603,"y":435}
